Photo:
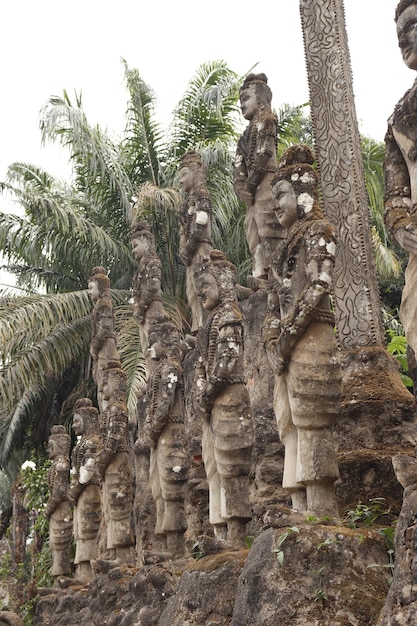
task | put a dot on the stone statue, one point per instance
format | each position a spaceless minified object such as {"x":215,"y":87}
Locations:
{"x":58,"y":509}
{"x":195,"y":226}
{"x":147,"y":280}
{"x":299,"y":337}
{"x":255,"y":166}
{"x":114,"y":467}
{"x":222,"y":399}
{"x":401,"y":170}
{"x":165,"y":432}
{"x":103,"y":347}
{"x":85,"y":492}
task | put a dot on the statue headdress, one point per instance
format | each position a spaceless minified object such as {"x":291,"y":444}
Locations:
{"x":89,"y":414}
{"x":61,"y":437}
{"x":99,"y":275}
{"x":163,"y":328}
{"x":142,"y":230}
{"x":193,"y":160}
{"x":223,"y":271}
{"x":295,"y":166}
{"x":116,"y":377}
{"x":259,"y":83}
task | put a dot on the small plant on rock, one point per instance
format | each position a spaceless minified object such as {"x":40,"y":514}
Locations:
{"x":278,"y":551}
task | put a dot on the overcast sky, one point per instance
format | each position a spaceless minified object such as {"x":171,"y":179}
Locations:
{"x":48,"y":46}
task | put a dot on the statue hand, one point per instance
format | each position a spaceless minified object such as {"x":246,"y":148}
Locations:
{"x":276,"y":360}
{"x":407,"y":238}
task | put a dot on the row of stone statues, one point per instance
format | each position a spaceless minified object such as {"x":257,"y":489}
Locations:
{"x":293,"y":248}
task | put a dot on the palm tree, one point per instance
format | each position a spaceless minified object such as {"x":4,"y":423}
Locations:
{"x":69,"y":228}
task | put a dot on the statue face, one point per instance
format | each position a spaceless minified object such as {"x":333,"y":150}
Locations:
{"x":285,"y":203}
{"x":407,"y":36}
{"x":186,"y":179}
{"x":248,"y":103}
{"x":77,"y":424}
{"x":93,"y":290}
{"x":208,"y":292}
{"x":52,"y":448}
{"x":139,"y":247}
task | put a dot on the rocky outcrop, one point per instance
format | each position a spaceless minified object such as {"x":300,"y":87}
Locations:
{"x":305,"y":574}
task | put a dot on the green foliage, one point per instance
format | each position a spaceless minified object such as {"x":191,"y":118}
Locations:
{"x":4,"y":491}
{"x":397,"y":347}
{"x":388,"y":534}
{"x":5,"y":566}
{"x":196,"y":552}
{"x":366,"y":514}
{"x":319,"y":594}
{"x":281,"y":539}
{"x":44,"y":369}
{"x":35,"y":483}
{"x":249,"y":540}
{"x":328,"y":542}
{"x":390,"y":565}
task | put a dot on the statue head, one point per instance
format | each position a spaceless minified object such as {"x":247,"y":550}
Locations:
{"x":98,"y":283}
{"x":255,"y":95}
{"x":85,"y":420}
{"x":59,"y":442}
{"x":406,"y":18}
{"x":216,"y":280}
{"x":113,"y":384}
{"x":142,"y":239}
{"x":193,"y":173}
{"x":295,"y":186}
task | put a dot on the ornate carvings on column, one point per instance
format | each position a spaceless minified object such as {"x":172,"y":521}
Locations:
{"x":338,"y":151}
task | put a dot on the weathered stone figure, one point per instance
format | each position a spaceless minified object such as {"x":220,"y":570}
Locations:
{"x":103,"y":347}
{"x":165,"y":432}
{"x":85,"y":490}
{"x":299,"y":337}
{"x":401,"y":170}
{"x":114,"y":466}
{"x":58,"y":509}
{"x":223,"y":400}
{"x":255,"y":166}
{"x":147,"y":280}
{"x":195,"y":226}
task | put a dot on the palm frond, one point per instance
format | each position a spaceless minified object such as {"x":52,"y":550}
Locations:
{"x":95,"y":156}
{"x":209,"y":109}
{"x":144,"y":136}
{"x":131,"y":356}
{"x":386,"y":260}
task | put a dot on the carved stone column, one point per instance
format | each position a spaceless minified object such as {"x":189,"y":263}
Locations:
{"x":338,"y":151}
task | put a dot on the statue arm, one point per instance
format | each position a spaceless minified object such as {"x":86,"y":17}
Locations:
{"x":226,"y":368}
{"x":104,"y":329}
{"x":89,"y":465}
{"x":200,"y":230}
{"x":241,"y":177}
{"x":400,"y":223}
{"x":319,"y":267}
{"x":60,"y":488}
{"x":266,"y":146}
{"x":170,"y":379}
{"x":150,"y":289}
{"x":116,"y":433}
